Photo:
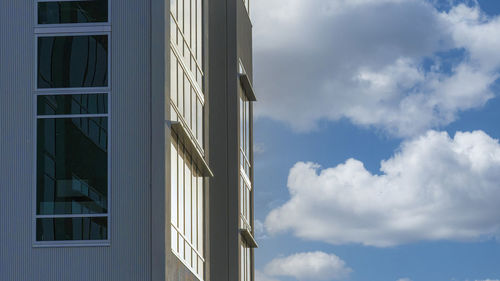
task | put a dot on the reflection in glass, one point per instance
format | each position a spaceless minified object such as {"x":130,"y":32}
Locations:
{"x":73,"y":61}
{"x":73,"y":12}
{"x":72,"y":104}
{"x":64,"y":229}
{"x":72,"y":166}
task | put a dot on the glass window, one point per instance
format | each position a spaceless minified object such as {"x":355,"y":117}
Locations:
{"x":245,"y":262}
{"x":245,"y":165}
{"x":72,"y":168}
{"x":244,"y":132}
{"x":73,"y":61}
{"x":187,"y":104}
{"x":72,"y":104}
{"x":65,"y":229}
{"x":61,"y":12}
{"x":72,"y":134}
{"x":187,"y":208}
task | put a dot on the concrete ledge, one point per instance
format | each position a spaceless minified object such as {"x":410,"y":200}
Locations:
{"x":247,"y":235}
{"x":247,"y":86}
{"x":190,"y":145}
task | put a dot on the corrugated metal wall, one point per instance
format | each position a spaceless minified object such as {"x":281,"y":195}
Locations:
{"x":129,"y":256}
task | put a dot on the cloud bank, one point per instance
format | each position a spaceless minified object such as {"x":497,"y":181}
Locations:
{"x":318,"y":266}
{"x":434,"y":188}
{"x":399,"y":66}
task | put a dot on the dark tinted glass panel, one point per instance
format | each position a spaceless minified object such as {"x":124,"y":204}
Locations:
{"x":73,"y":104}
{"x":72,"y":166}
{"x":73,"y":61}
{"x":62,"y":229}
{"x":73,"y":12}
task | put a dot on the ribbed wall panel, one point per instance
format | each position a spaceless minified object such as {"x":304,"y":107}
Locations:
{"x":17,"y":62}
{"x":131,"y":158}
{"x":2,"y":136}
{"x":129,"y":256}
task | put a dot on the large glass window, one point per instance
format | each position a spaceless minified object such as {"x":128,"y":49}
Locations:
{"x":72,"y":127}
{"x":187,"y":103}
{"x":72,"y":61}
{"x":186,"y":35}
{"x":245,"y":166}
{"x":62,"y":12}
{"x":244,"y":132}
{"x":187,"y":208}
{"x":72,"y":167}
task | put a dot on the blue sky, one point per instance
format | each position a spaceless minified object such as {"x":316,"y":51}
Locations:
{"x":346,"y":84}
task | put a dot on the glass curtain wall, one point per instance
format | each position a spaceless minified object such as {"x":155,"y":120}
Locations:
{"x":245,"y":184}
{"x":72,"y":127}
{"x":245,"y":165}
{"x":187,"y":102}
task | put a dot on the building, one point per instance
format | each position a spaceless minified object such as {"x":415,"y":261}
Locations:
{"x":126,"y":140}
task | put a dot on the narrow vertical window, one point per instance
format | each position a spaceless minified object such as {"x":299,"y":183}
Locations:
{"x":187,"y":207}
{"x":245,"y":183}
{"x":245,"y":166}
{"x":72,"y":122}
{"x":187,"y":103}
{"x":72,"y":167}
{"x":245,"y":262}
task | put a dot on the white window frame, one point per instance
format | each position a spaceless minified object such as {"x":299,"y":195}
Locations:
{"x":72,"y":29}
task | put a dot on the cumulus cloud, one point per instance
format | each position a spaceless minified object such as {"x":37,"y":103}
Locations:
{"x":309,"y":266}
{"x":404,"y":279}
{"x":260,"y":230}
{"x":261,"y":276}
{"x":400,"y":66}
{"x":435,"y":187}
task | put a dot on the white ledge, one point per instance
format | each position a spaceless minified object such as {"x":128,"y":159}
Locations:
{"x":247,"y":235}
{"x":191,"y":147}
{"x":247,"y":86}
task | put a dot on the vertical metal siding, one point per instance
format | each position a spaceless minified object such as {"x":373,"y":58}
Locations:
{"x":131,"y":95}
{"x":128,"y":257}
{"x":2,"y":136}
{"x":17,"y":62}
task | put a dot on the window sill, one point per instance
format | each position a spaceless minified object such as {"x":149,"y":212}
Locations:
{"x":190,"y":145}
{"x":71,"y":244}
{"x":248,"y":237}
{"x":247,"y":86}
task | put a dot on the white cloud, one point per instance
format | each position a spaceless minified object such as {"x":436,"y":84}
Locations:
{"x":489,"y":280}
{"x":261,"y":276}
{"x":260,"y":230}
{"x":364,"y":60}
{"x":259,"y":148}
{"x":434,"y":188}
{"x":309,"y":266}
{"x":404,"y":279}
